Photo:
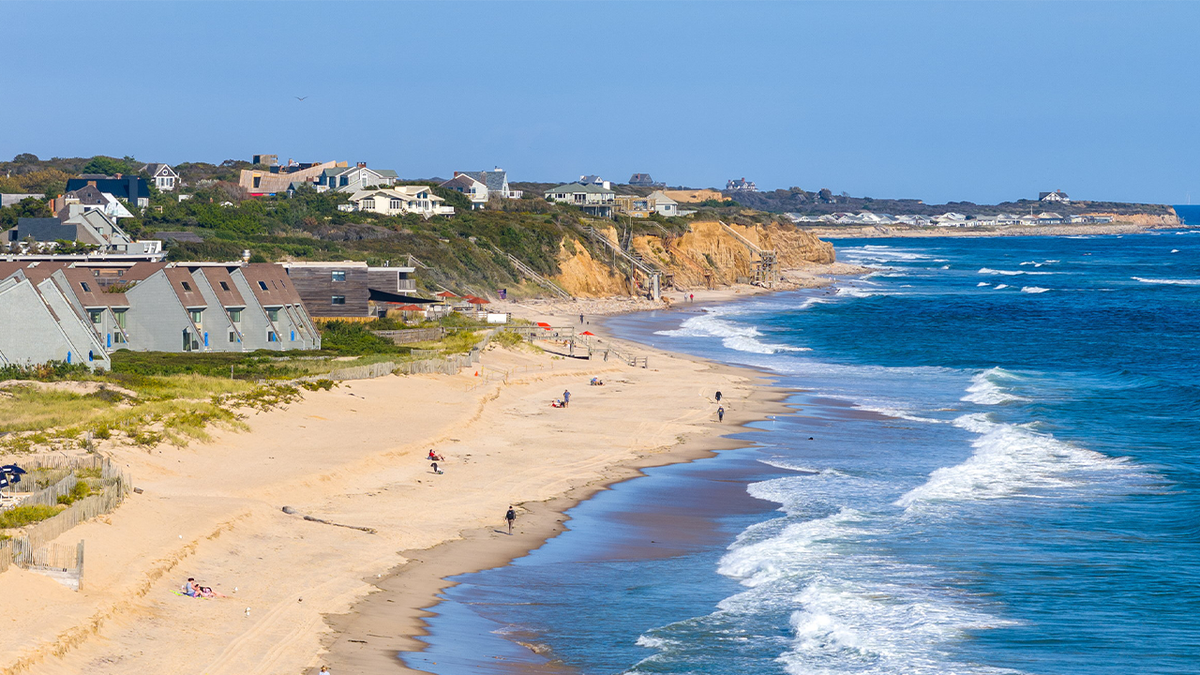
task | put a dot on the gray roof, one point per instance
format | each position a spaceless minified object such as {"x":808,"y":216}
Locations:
{"x":579,"y":187}
{"x":494,"y":180}
{"x":9,"y":200}
{"x":44,"y":229}
{"x":386,"y":173}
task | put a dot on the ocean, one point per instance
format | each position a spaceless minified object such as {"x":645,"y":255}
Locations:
{"x":992,"y":466}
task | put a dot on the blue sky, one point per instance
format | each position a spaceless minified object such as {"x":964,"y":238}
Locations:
{"x":937,"y":101}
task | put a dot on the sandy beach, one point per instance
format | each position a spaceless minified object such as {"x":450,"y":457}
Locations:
{"x":355,"y":455}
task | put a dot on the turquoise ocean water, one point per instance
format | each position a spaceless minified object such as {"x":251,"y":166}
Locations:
{"x":1003,"y":476}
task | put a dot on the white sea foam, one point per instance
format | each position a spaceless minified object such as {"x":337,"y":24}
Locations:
{"x":1009,"y":461}
{"x":999,"y":286}
{"x":733,"y":336}
{"x":762,"y":562}
{"x":882,"y":254}
{"x":987,"y":388}
{"x":1012,"y":273}
{"x":1174,"y":250}
{"x":984,"y":283}
{"x":1033,"y":289}
{"x":879,"y":628}
{"x":1173,"y":282}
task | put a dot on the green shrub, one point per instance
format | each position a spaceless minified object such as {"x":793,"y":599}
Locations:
{"x":81,"y":490}
{"x":21,"y":516}
{"x":350,"y":338}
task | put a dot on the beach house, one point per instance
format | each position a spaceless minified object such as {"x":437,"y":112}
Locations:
{"x":664,"y":205}
{"x":399,"y":200}
{"x":1056,"y":196}
{"x":740,"y":185}
{"x":594,"y":200}
{"x":354,"y":178}
{"x":475,"y":189}
{"x":352,"y":289}
{"x":132,"y":190}
{"x":163,"y":176}
{"x":277,"y":179}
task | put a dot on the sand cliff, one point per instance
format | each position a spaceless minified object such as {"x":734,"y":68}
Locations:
{"x":706,"y":250}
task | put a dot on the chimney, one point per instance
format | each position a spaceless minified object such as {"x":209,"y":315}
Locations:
{"x":607,"y":185}
{"x":362,"y":165}
{"x":246,"y":255}
{"x":119,"y":176}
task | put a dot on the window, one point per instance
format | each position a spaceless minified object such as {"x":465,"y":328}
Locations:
{"x":197,"y":316}
{"x":186,"y":286}
{"x":273,"y":314}
{"x":337,"y":300}
{"x":232,"y":336}
{"x":85,"y":287}
{"x":396,"y":204}
{"x":257,"y":181}
{"x":96,"y":315}
{"x":368,"y":203}
{"x":235,"y":315}
{"x":119,"y":315}
{"x":272,"y":337}
{"x":339,"y":276}
{"x":263,"y":285}
{"x":118,"y":338}
{"x":224,"y":286}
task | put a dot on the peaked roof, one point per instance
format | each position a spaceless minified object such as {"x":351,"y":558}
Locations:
{"x":494,"y":179}
{"x":463,"y":180}
{"x":580,"y":187}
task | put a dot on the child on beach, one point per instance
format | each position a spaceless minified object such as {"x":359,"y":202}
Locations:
{"x":721,"y":413}
{"x":435,"y":468}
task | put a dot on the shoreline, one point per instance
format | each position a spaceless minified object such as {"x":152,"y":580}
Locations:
{"x":427,"y":573}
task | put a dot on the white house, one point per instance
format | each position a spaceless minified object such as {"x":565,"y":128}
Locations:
{"x":664,"y":205}
{"x":475,"y":189}
{"x":1056,"y":196}
{"x":418,"y":199}
{"x":595,"y":200}
{"x":163,"y":176}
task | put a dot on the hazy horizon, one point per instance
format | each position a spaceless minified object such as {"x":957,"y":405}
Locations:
{"x":981,"y":102}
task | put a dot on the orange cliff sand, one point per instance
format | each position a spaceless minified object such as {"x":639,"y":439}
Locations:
{"x":354,"y":455}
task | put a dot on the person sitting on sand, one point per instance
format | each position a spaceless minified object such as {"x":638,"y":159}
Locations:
{"x":436,"y":469}
{"x":190,"y":588}
{"x":434,"y":457}
{"x":206,"y":592}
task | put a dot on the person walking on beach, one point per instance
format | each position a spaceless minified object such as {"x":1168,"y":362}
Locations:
{"x":718,"y":397}
{"x":509,"y":517}
{"x":324,"y":671}
{"x":720,"y":413}
{"x":566,"y":398}
{"x":691,"y":297}
{"x":580,"y":319}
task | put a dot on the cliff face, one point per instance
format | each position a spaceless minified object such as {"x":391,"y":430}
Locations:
{"x":706,"y":251}
{"x":1144,"y":219}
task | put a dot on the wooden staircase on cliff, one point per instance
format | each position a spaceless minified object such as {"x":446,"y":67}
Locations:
{"x":766,"y":268}
{"x":532,"y":274}
{"x":634,"y":262}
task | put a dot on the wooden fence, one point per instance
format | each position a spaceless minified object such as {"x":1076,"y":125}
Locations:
{"x":406,"y":336}
{"x":32,"y":548}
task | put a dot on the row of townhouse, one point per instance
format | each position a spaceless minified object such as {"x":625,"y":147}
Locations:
{"x":190,"y":307}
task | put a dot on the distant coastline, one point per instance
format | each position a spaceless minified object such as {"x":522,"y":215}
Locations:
{"x":869,"y":231}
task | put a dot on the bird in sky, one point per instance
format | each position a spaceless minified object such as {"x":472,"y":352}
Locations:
{"x":301,"y":98}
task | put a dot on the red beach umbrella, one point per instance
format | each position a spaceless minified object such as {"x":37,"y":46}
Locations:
{"x":543,"y":324}
{"x":588,"y":332}
{"x":446,"y":294}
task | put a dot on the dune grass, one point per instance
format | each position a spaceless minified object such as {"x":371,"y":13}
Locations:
{"x":20,"y":516}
